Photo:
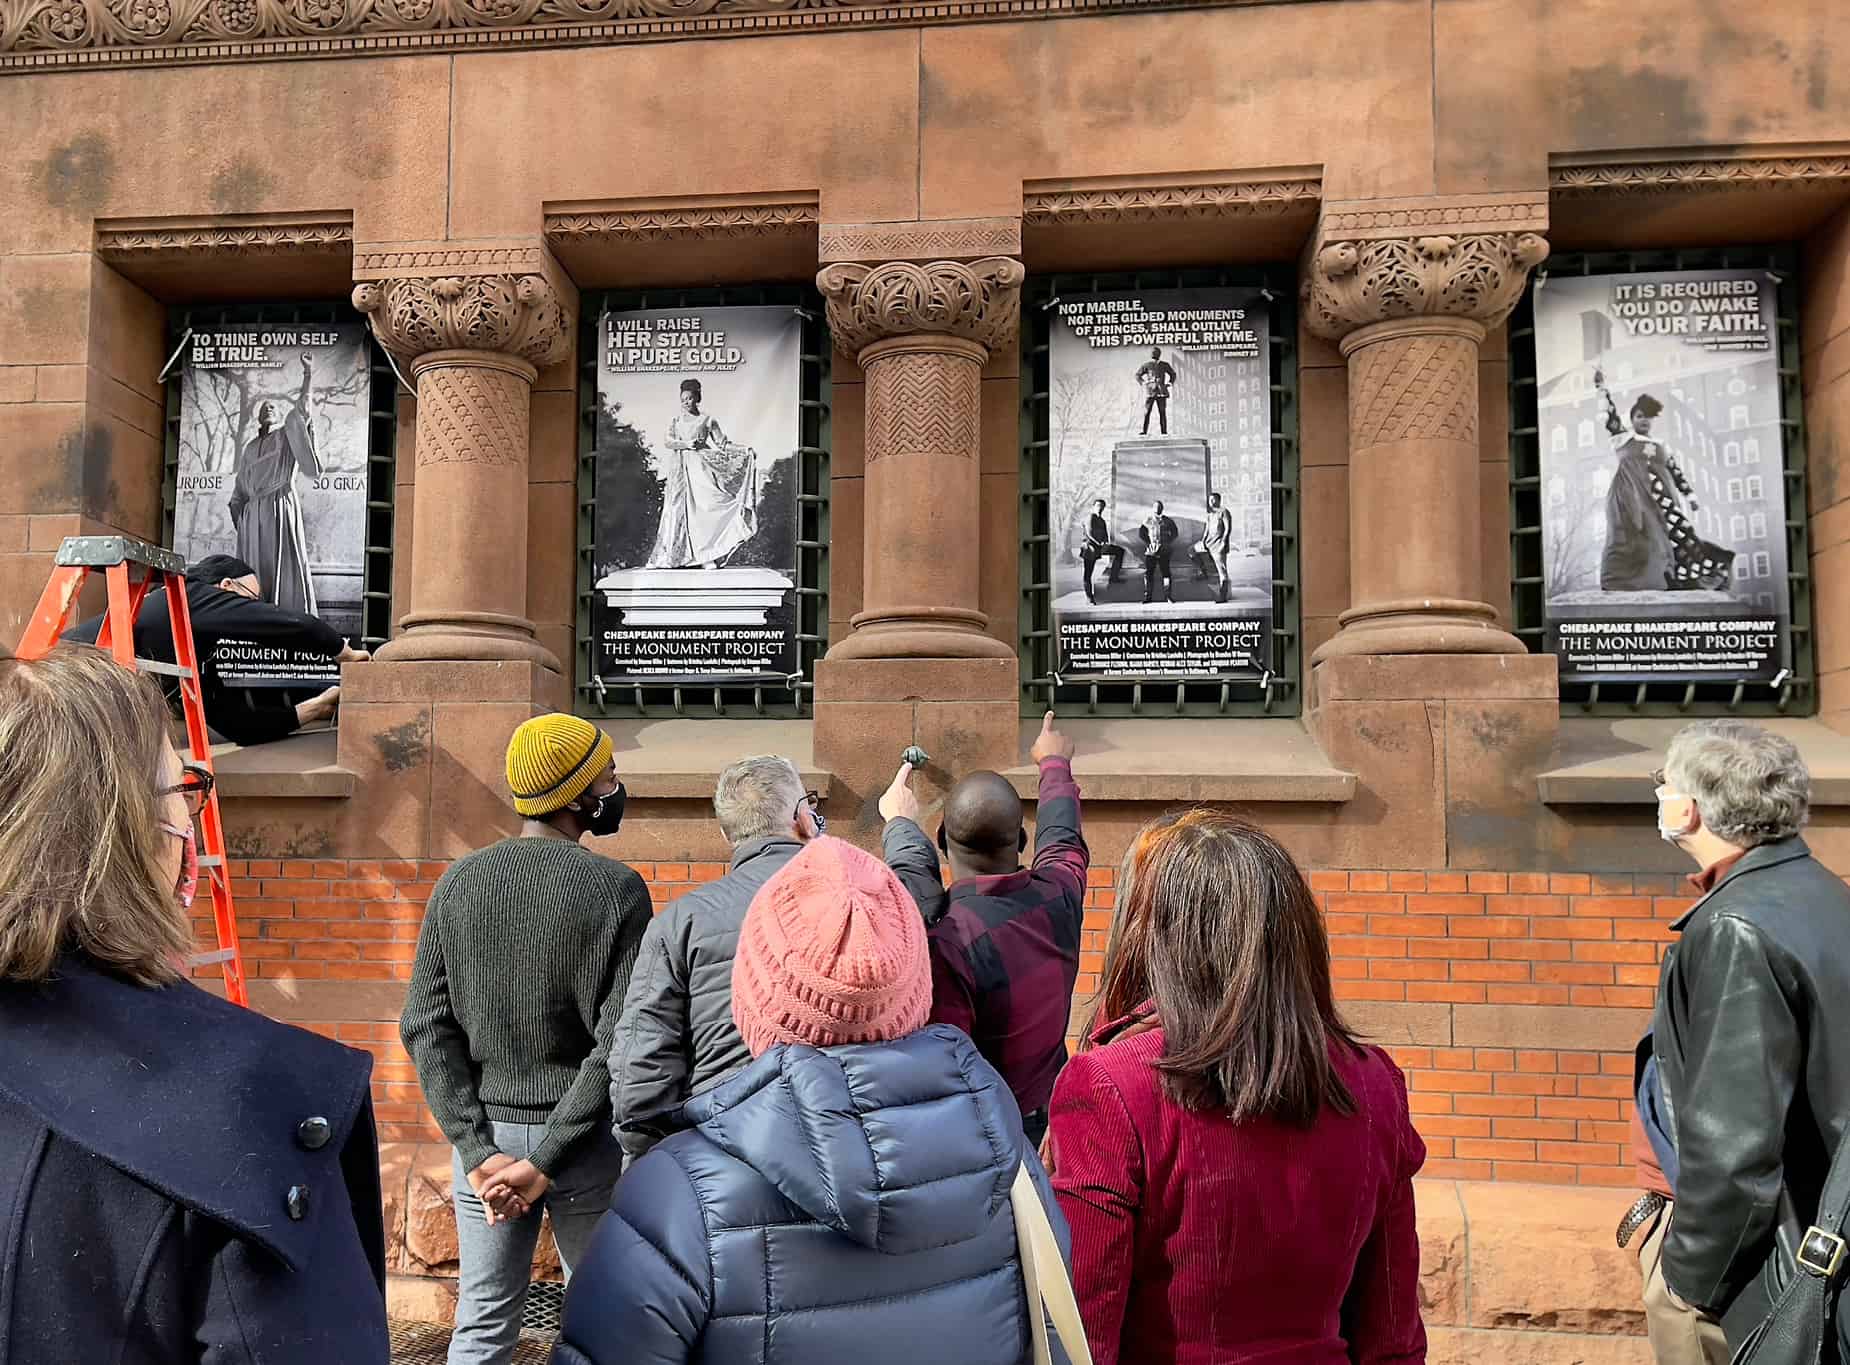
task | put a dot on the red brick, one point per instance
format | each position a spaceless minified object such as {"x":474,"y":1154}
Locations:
{"x":1490,"y":926}
{"x":1410,"y":925}
{"x":399,"y":871}
{"x":1574,"y":973}
{"x":1437,"y":1125}
{"x":1368,"y":881}
{"x":1614,"y":997}
{"x":1436,"y":1102}
{"x":1454,"y":949}
{"x":1345,"y":924}
{"x":1614,"y":907}
{"x":709,"y":872}
{"x":1406,"y":881}
{"x":1494,"y":1059}
{"x":263,"y":868}
{"x":297,"y":929}
{"x":1600,"y":950}
{"x":1612,"y":883}
{"x":1569,"y":883}
{"x":1495,"y":1149}
{"x":379,"y":890}
{"x":1366,"y":903}
{"x":1497,"y":1106}
{"x":671,"y":872}
{"x":1636,"y":976}
{"x":1406,"y":969}
{"x":1349,"y":969}
{"x":362,"y":971}
{"x":253,"y":908}
{"x":1445,"y":905}
{"x":1623,"y":1176}
{"x":1538,"y":1173}
{"x":1529,"y":905}
{"x":1490,"y":971}
{"x":1533,"y":949}
{"x":1458,"y":1082}
{"x":1643,"y":931}
{"x":1329,"y":881}
{"x":1603,"y":1130}
{"x":327,"y":950}
{"x":1447,"y":881}
{"x":1554,"y":1130}
{"x":1456,"y":1170}
{"x":341,"y":909}
{"x":332,"y":868}
{"x":305,"y":971}
{"x":1526,"y":882}
{"x":1528,"y":1083}
{"x":1492,"y":883}
{"x":430,"y":872}
{"x":1446,"y":993}
{"x":1527,"y":995}
{"x":1454,"y":1059}
{"x":1353,"y":945}
{"x":301,"y":867}
{"x":388,"y":952}
{"x":294,"y":890}
{"x":1579,"y":1063}
{"x":1370,"y":990}
{"x":1554,"y":1107}
{"x":1580,"y":1153}
{"x":1100,"y":876}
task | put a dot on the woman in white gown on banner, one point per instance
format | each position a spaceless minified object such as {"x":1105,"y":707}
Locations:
{"x":710,"y":497}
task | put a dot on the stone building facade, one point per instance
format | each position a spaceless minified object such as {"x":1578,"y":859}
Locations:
{"x":465,"y":175}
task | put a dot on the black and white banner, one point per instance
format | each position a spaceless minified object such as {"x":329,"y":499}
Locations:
{"x":273,"y":470}
{"x":1662,"y":493}
{"x":698,"y":424}
{"x":1160,"y":455}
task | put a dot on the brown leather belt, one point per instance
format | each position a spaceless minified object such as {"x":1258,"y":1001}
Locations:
{"x":1649,"y":1205}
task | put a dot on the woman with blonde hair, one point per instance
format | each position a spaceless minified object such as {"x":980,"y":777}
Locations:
{"x":181,"y":1180}
{"x":1236,"y":1168}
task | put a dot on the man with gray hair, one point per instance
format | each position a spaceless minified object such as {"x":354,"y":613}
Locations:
{"x":676,"y":1034}
{"x":1743,"y":1084}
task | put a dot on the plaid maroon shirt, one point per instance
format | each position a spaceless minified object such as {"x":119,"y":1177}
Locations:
{"x":1005,"y":953}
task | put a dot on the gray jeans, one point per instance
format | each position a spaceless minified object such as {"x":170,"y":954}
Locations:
{"x":497,"y":1262}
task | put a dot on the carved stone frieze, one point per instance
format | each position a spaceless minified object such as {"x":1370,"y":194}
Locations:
{"x":929,"y":240}
{"x":498,"y":295}
{"x":693,"y":222}
{"x":1431,"y":215}
{"x":148,"y":239}
{"x":979,"y":301}
{"x":1671,"y":173}
{"x":1049,"y":205}
{"x":1479,"y":276}
{"x":40,"y":35}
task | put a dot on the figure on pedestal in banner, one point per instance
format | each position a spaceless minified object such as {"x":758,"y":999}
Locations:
{"x":1158,"y":534}
{"x":266,"y":508}
{"x":1217,"y":543}
{"x":710,"y":499}
{"x":1099,"y":545}
{"x":1156,"y":375}
{"x":1650,"y":543}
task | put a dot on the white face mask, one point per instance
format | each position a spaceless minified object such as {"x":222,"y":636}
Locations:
{"x":1671,"y":834}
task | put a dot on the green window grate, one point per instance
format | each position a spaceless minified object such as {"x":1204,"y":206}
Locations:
{"x":774,"y":697}
{"x":1796,"y":694}
{"x":1275,"y":692}
{"x":381,"y":452}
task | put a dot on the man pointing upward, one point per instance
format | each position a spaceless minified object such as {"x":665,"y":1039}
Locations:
{"x":1005,"y":950}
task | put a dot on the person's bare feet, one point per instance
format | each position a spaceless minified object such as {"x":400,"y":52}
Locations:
{"x":318,"y":708}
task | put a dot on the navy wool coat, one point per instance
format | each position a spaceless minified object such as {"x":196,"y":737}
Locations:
{"x":182,"y":1180}
{"x":837,"y":1205}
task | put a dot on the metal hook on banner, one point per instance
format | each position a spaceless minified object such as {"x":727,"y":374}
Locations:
{"x":1267,"y":294}
{"x":1054,"y":302}
{"x":1781,"y":676}
{"x":167,"y":369}
{"x":1776,"y":277}
{"x":803,"y":313}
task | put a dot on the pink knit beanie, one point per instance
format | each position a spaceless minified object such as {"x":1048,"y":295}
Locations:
{"x":832,"y":951}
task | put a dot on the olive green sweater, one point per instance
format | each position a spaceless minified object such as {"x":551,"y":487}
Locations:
{"x":522,"y":966}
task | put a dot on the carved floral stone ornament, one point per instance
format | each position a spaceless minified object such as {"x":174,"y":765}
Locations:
{"x":519,"y":315}
{"x":1478,"y":276}
{"x":979,"y":301}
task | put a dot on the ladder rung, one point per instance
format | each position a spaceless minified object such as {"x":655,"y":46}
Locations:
{"x":211,"y":860}
{"x":164,"y":669}
{"x":210,"y":959}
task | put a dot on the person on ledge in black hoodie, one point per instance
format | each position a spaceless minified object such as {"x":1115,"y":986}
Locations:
{"x":223,"y":599}
{"x":181,"y":1180}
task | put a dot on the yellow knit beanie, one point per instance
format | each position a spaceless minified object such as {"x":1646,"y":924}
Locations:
{"x":552,"y":759}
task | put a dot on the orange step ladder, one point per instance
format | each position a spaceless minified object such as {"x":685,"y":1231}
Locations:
{"x":115,"y":557}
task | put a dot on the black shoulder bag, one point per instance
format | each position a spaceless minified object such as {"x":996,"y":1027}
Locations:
{"x":1807,"y":1326}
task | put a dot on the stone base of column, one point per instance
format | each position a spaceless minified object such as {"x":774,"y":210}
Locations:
{"x":1445,"y":749}
{"x":964,"y":712}
{"x":467,"y":637}
{"x":920,"y":633}
{"x":1428,"y":626}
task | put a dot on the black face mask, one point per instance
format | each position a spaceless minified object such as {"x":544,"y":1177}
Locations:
{"x":606,"y":817}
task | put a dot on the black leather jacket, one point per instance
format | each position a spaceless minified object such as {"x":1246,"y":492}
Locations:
{"x":1753,"y":1040}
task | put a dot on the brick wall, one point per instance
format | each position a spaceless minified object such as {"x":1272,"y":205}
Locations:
{"x":1398,"y":938}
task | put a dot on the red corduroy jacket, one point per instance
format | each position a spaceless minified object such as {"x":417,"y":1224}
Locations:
{"x":1200,"y":1241}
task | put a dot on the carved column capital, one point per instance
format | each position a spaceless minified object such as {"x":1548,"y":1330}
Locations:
{"x":979,"y":301}
{"x":507,"y":297}
{"x":1381,"y":260}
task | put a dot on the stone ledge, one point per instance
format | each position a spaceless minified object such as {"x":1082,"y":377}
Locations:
{"x":1605,"y":762}
{"x":1193,"y":759}
{"x":302,"y":765}
{"x":680,"y":760}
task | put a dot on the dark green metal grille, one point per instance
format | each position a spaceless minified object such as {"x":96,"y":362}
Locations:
{"x":381,"y":446}
{"x":775,"y":697}
{"x":1276,"y":692}
{"x":1797,"y":694}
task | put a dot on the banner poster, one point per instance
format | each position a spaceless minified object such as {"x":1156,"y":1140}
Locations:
{"x":1160,"y":457}
{"x":698,"y":424}
{"x":274,"y":426}
{"x":1662,"y":489}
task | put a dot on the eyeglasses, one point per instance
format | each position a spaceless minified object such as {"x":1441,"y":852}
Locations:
{"x":813,"y":800}
{"x":195,"y":785}
{"x":1657,"y":777}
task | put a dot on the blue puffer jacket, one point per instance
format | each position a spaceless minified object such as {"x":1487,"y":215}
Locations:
{"x":821,"y":1206}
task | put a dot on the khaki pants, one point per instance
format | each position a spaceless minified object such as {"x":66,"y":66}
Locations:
{"x":1680,"y":1334}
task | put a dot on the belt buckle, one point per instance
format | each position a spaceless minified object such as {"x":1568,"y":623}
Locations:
{"x":1821,"y":1252}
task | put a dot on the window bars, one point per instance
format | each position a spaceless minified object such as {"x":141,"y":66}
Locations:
{"x":768,"y":696}
{"x":381,"y":443}
{"x":1793,"y":694}
{"x":1273,"y":692}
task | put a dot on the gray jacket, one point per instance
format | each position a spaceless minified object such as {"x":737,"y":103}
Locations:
{"x":676,"y":1036}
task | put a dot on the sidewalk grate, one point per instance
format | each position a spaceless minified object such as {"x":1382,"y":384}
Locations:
{"x":428,"y":1343}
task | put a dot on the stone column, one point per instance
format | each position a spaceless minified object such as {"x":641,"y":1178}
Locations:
{"x":1409,"y":303}
{"x":469,"y":323}
{"x":922,"y":334}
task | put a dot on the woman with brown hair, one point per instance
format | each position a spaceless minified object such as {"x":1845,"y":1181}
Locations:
{"x":181,"y":1180}
{"x":1235,"y":1166}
